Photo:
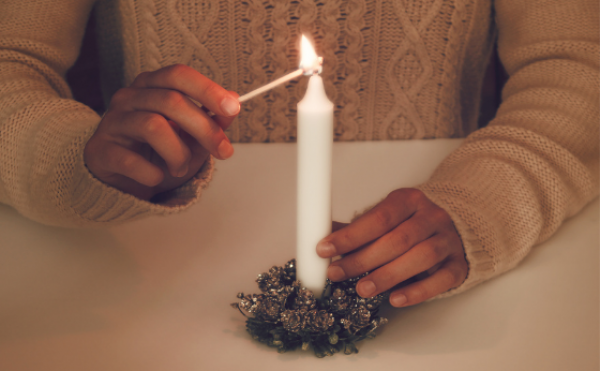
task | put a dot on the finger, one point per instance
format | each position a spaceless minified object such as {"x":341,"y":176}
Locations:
{"x":393,"y":210}
{"x":223,"y":121}
{"x":156,"y":131}
{"x":385,"y":249}
{"x":120,"y":160}
{"x":193,"y":84}
{"x":416,"y":260}
{"x":450,"y":275}
{"x":175,"y":127}
{"x":175,"y":106}
{"x":335,"y":226}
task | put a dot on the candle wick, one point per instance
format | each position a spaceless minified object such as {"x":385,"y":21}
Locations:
{"x":315,"y":69}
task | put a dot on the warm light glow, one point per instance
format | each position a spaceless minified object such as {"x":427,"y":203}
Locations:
{"x":309,"y":61}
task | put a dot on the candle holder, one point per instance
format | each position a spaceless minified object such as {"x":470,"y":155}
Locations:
{"x":287,"y":316}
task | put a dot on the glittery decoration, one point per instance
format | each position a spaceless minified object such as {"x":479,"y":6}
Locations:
{"x":287,"y":316}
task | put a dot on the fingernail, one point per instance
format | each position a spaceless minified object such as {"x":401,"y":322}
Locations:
{"x":366,"y":289}
{"x":225,"y":149}
{"x":397,"y":300}
{"x":336,"y":273}
{"x":325,"y":249}
{"x":230,"y":105}
{"x":184,"y":170}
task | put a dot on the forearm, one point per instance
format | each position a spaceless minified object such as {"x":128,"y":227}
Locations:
{"x":511,"y":185}
{"x":43,"y":131}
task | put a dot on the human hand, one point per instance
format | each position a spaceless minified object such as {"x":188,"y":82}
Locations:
{"x":406,"y":242}
{"x":154,"y":138}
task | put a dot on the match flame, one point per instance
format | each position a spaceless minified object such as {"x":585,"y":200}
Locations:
{"x":309,"y":61}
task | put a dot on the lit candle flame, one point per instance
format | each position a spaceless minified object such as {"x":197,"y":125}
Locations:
{"x":309,"y":61}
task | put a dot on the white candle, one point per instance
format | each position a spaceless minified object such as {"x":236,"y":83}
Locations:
{"x":315,"y":141}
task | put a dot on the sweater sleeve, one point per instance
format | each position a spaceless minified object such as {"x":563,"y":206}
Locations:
{"x":511,"y":185}
{"x":43,"y":131}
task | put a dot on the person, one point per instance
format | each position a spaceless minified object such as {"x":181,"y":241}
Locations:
{"x":396,"y":70}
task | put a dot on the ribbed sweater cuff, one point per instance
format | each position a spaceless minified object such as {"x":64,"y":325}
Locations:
{"x":96,"y":203}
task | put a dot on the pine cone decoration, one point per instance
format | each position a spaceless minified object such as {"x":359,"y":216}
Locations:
{"x":271,"y":282}
{"x":305,"y":300}
{"x":290,"y":271}
{"x":357,"y":319}
{"x":277,"y":278}
{"x":250,"y":303}
{"x":292,"y":320}
{"x":318,"y":320}
{"x":286,"y":316}
{"x":339,"y":301}
{"x":374,"y":303}
{"x":269,"y":309}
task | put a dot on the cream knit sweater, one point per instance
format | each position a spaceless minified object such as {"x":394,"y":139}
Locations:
{"x":399,"y":69}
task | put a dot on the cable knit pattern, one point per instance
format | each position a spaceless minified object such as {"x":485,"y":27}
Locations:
{"x":403,"y":115}
{"x":279,"y":125}
{"x":399,"y":69}
{"x":256,"y":109}
{"x":354,"y":42}
{"x":385,"y":61}
{"x":152,"y":58}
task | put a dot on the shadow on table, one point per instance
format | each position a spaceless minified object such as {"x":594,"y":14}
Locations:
{"x":473,"y":320}
{"x":476,"y":319}
{"x":56,"y":281}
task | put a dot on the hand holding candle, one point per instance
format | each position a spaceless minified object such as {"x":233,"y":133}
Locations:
{"x":408,"y":244}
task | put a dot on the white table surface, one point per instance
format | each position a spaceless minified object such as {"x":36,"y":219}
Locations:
{"x":155,"y":294}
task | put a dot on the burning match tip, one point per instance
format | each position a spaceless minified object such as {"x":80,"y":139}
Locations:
{"x":314,"y":69}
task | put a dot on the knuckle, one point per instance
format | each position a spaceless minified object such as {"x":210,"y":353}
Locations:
{"x":452,"y":277}
{"x":212,"y":89}
{"x":415,"y":196}
{"x":355,"y":267}
{"x":174,"y":71}
{"x":122,"y":95}
{"x":385,"y":280}
{"x":384,"y":216}
{"x":154,"y":124}
{"x":125,"y":162}
{"x":439,"y":215}
{"x":358,"y":266}
{"x":210,"y":130}
{"x":401,"y":239}
{"x":448,"y":277}
{"x":142,"y":76}
{"x":396,"y":195}
{"x":418,"y":293}
{"x":173,"y":99}
{"x":432,"y":253}
{"x":90,"y":151}
{"x":411,"y":197}
{"x":343,"y":237}
{"x":395,"y":242}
